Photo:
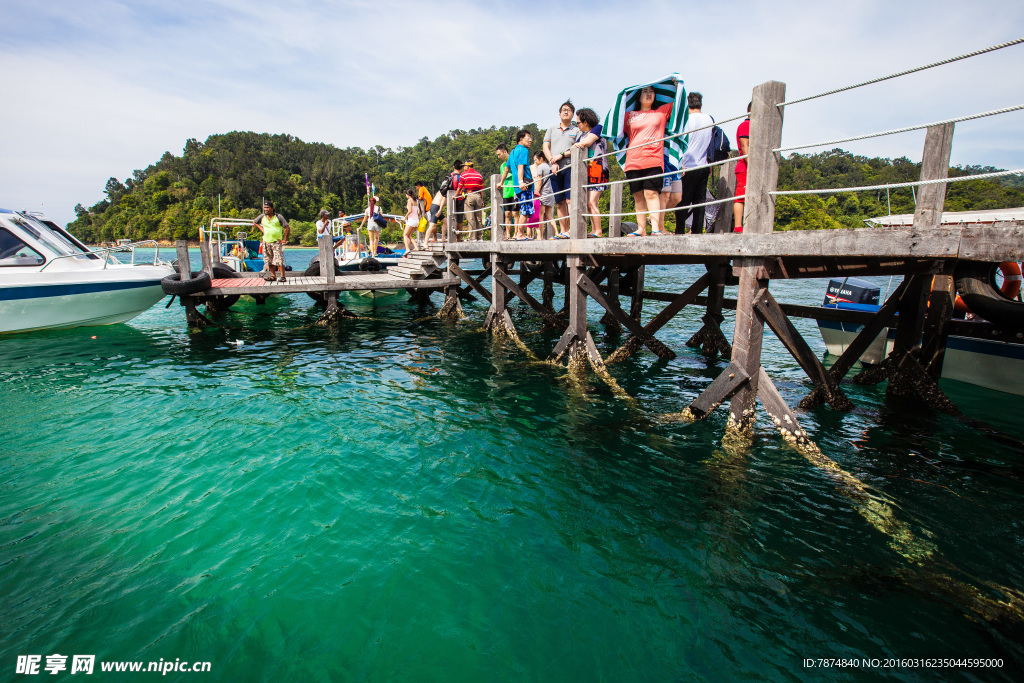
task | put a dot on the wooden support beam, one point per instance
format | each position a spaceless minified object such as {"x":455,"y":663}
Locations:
{"x":633,"y":326}
{"x":206,"y":254}
{"x":576,"y":300}
{"x":723,"y":386}
{"x":499,"y":306}
{"x":461,"y":274}
{"x":709,"y":338}
{"x":780,"y":324}
{"x":637,"y":305}
{"x":450,"y":234}
{"x":759,"y":218}
{"x":193,"y":318}
{"x":879,"y":321}
{"x":521,"y":292}
{"x":936,"y":324}
{"x":633,"y":344}
{"x":615,"y":208}
{"x":780,"y":413}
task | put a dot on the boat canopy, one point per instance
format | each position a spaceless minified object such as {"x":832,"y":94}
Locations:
{"x":950,"y":218}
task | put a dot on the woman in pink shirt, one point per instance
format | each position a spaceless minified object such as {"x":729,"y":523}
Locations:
{"x":646,"y":125}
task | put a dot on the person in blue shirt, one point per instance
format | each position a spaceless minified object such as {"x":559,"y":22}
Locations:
{"x":522,"y":181}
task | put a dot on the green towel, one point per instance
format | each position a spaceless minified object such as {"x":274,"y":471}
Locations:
{"x":629,"y":99}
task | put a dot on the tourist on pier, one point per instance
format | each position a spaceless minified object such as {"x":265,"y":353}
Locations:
{"x":460,"y":204}
{"x":471,"y":184}
{"x":412,"y":221}
{"x":275,"y":231}
{"x":508,"y":191}
{"x":435,"y":214}
{"x":695,"y":183}
{"x":597,"y":169}
{"x":374,"y":221}
{"x":646,"y":128}
{"x":519,"y":168}
{"x":541,"y":171}
{"x":743,"y":143}
{"x":424,"y":200}
{"x":558,"y":140}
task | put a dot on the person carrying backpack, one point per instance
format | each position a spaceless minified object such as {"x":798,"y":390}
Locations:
{"x":695,"y":182}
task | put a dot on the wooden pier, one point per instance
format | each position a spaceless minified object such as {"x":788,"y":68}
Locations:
{"x":611,"y":272}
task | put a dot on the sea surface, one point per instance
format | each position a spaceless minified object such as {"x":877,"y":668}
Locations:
{"x":404,"y":499}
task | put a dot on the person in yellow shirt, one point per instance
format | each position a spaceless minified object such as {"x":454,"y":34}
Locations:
{"x":275,"y":231}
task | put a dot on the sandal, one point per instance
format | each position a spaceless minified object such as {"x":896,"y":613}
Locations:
{"x":658,"y":232}
{"x":637,"y":233}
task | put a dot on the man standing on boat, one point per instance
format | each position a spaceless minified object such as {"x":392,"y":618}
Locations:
{"x":275,"y":231}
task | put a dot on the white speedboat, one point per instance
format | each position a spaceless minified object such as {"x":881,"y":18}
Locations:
{"x":49,"y":279}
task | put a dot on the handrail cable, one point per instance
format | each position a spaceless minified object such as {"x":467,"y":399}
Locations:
{"x":904,"y":73}
{"x":916,"y":183}
{"x":667,"y":137}
{"x":901,"y":130}
{"x":676,"y":208}
{"x":667,"y":173}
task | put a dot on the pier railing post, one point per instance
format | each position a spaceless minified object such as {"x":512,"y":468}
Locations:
{"x":759,"y":217}
{"x":497,"y":215}
{"x":450,"y":223}
{"x":924,"y":314}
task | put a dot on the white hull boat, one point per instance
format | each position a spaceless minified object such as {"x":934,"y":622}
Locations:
{"x":48,"y":279}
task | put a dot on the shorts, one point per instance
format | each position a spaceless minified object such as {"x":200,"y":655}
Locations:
{"x":374,"y":226}
{"x":672,"y":183}
{"x":547,"y":199}
{"x":741,"y":186}
{"x":534,"y":220}
{"x":603,"y":179}
{"x":435,"y":214}
{"x":508,"y":204}
{"x":640,"y":179}
{"x":560,"y":183}
{"x":524,"y":202}
{"x":273,"y":253}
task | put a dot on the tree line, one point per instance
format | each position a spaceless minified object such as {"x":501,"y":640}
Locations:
{"x":230,"y":174}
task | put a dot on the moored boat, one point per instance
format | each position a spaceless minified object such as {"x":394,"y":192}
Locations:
{"x":49,"y":279}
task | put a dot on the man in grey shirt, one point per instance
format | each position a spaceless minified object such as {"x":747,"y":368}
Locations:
{"x":558,"y":140}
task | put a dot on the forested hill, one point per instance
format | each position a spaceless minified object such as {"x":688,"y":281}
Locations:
{"x":177,"y":195}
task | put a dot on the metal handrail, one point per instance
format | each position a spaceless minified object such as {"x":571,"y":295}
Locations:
{"x":106,"y":251}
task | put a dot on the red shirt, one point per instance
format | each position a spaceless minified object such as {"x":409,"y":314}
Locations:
{"x":742,"y":131}
{"x":470,"y":181}
{"x":646,"y":126}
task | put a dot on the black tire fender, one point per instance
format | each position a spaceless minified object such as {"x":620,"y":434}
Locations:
{"x":223,"y":303}
{"x":314,"y":271}
{"x":976,"y":283}
{"x":172,"y":284}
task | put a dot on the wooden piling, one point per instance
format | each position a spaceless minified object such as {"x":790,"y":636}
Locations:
{"x":193,"y":318}
{"x":759,"y":217}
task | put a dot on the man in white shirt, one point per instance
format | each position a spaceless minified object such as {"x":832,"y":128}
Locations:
{"x":695,"y":183}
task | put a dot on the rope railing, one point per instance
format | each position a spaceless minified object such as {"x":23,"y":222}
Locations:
{"x":481,"y":210}
{"x":667,"y":137}
{"x":904,"y":73}
{"x":915,"y":183}
{"x":895,"y":131}
{"x":667,"y":173}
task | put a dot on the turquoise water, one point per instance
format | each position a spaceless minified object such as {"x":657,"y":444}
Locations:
{"x":403,"y":499}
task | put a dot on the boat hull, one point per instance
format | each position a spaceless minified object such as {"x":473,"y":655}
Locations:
{"x":25,"y":307}
{"x":985,"y":363}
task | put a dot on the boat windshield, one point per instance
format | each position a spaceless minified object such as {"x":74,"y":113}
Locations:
{"x":52,"y":238}
{"x":14,"y":252}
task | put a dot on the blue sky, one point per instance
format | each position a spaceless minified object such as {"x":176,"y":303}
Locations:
{"x":97,"y":88}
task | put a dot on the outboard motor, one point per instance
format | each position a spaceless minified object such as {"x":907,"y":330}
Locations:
{"x":851,"y":290}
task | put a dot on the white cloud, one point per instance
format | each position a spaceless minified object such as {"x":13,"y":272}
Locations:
{"x":99,"y":89}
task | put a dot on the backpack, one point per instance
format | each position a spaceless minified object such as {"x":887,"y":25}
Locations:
{"x":719,"y":148}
